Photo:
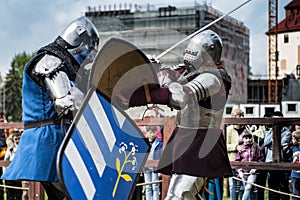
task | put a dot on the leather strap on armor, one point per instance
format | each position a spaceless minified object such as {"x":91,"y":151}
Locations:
{"x":147,"y":93}
{"x":46,"y":122}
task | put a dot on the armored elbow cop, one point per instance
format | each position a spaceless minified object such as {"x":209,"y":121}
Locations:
{"x":58,"y":83}
{"x":66,"y":97}
{"x":178,"y":97}
{"x":204,"y":86}
{"x":200,"y":88}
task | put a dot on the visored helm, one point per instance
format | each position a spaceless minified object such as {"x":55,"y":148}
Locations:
{"x":81,"y":39}
{"x":204,"y":49}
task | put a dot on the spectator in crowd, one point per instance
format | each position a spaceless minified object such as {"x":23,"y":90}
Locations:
{"x":150,"y":174}
{"x":10,"y":145}
{"x":3,"y":147}
{"x":233,"y":142}
{"x":249,"y":152}
{"x":259,"y":136}
{"x":294,"y":128}
{"x":277,"y":180}
{"x":150,"y":113}
{"x":158,"y":114}
{"x":295,"y":174}
{"x":13,"y":194}
{"x":261,"y":177}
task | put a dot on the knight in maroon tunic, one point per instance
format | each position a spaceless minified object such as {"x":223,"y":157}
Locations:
{"x":198,"y":89}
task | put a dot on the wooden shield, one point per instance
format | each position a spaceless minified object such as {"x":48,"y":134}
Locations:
{"x":120,"y":69}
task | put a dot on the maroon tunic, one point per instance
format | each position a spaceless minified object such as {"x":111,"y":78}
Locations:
{"x":196,"y":152}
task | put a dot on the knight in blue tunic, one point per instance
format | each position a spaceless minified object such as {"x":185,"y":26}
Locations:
{"x":49,"y":96}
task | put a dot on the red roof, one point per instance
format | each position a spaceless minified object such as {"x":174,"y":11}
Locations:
{"x":293,"y":4}
{"x":292,"y":20}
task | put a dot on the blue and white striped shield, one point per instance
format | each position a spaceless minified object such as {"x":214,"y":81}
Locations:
{"x":104,"y":156}
{"x":104,"y":151}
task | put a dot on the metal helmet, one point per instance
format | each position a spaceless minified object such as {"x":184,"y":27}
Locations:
{"x":81,"y":39}
{"x":204,"y":49}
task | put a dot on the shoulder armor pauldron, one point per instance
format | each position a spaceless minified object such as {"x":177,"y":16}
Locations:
{"x":48,"y":66}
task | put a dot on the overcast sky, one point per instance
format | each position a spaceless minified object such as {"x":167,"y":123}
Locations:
{"x":27,"y":25}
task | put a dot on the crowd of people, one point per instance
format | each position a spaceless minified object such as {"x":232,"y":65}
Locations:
{"x":254,"y":143}
{"x":242,"y":145}
{"x":9,"y":140}
{"x":247,"y":144}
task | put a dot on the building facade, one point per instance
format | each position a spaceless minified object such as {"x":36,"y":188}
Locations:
{"x":289,"y":41}
{"x":154,"y":30}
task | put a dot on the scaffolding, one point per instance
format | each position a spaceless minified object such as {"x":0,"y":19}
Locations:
{"x":273,"y":52}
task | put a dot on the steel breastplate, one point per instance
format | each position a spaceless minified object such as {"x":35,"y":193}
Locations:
{"x":196,"y":116}
{"x":209,"y":111}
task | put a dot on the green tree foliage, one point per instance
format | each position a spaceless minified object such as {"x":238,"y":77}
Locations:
{"x":13,"y":87}
{"x":1,"y":91}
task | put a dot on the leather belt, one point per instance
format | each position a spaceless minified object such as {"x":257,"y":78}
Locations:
{"x":46,"y":122}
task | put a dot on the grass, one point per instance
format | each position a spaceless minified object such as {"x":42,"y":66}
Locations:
{"x":225,"y":197}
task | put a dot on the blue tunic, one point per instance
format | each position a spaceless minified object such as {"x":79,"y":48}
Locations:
{"x":35,"y":158}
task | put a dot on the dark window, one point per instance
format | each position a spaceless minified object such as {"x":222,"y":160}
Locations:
{"x":228,"y":110}
{"x":249,"y":110}
{"x":286,"y":38}
{"x":292,"y":107}
{"x":269,"y":110}
{"x":298,"y":70}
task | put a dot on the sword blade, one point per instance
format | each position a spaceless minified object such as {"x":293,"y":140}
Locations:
{"x":201,"y":29}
